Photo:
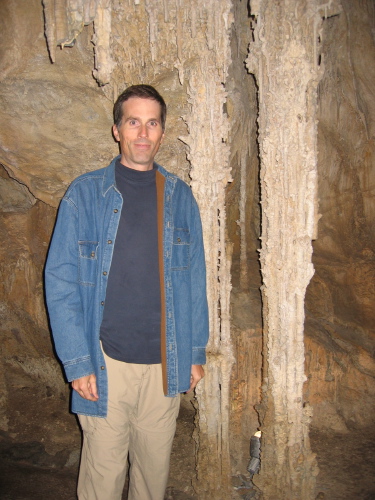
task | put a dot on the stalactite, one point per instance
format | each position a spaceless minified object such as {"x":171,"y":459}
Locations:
{"x":89,"y":11}
{"x":65,"y":34}
{"x":50,"y":27}
{"x":193,"y":23}
{"x":102,"y":42}
{"x":64,"y":21}
{"x":152,"y":9}
{"x":179,"y":36}
{"x":243,"y":223}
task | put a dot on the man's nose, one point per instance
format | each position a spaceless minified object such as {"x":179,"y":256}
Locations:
{"x":143,"y":132}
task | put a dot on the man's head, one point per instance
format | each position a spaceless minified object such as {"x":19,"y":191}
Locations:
{"x":139,"y":115}
{"x":143,"y":92}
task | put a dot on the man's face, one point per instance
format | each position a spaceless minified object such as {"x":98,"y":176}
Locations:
{"x":140,"y":133}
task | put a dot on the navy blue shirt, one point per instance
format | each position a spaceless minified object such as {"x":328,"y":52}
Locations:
{"x":130,"y":330}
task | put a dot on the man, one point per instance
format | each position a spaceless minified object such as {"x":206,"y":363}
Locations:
{"x":126,"y":295}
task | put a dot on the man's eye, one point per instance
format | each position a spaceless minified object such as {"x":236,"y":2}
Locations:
{"x":153,"y":124}
{"x":132,"y":122}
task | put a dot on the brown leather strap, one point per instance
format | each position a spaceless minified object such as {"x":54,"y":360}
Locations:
{"x":160,"y":182}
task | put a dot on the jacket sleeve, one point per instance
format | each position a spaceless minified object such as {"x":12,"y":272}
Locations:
{"x":63,"y":294}
{"x":200,"y":323}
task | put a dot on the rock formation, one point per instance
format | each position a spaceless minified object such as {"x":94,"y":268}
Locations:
{"x":271,"y":112}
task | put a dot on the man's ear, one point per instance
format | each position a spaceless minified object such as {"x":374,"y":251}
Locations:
{"x":115,"y":133}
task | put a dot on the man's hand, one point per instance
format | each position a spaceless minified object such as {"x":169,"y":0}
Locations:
{"x":197,"y":373}
{"x":86,"y":387}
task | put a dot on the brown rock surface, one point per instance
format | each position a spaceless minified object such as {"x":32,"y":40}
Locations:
{"x":340,"y":326}
{"x":55,"y":123}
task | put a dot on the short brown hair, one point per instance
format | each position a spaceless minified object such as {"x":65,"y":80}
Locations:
{"x":143,"y":92}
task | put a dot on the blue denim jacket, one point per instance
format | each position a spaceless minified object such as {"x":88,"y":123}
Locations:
{"x":77,"y":270}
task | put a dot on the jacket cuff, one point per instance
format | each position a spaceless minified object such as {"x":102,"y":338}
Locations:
{"x":199,"y":356}
{"x":78,"y":368}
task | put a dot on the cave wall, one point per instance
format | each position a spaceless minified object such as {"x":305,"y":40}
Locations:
{"x":245,"y":137}
{"x":340,"y":312}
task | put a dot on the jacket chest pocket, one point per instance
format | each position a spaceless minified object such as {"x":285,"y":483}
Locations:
{"x":88,"y":262}
{"x":180,"y":249}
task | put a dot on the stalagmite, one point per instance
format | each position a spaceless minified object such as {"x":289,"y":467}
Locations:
{"x":284,"y":59}
{"x":210,"y":173}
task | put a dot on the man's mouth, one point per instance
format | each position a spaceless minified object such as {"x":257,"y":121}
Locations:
{"x":142,"y":145}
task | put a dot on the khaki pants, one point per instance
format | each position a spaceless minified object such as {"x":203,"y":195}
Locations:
{"x":141,"y":421}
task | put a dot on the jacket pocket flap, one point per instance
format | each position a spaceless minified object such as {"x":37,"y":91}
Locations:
{"x":181,"y":236}
{"x":88,"y":249}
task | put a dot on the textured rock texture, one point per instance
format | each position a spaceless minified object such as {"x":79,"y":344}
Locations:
{"x":52,"y":114}
{"x":268,"y":146}
{"x":340,"y":342}
{"x":283,"y":57}
{"x":243,"y":231}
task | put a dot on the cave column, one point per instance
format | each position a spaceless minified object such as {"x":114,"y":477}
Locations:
{"x":284,"y":58}
{"x":209,"y":152}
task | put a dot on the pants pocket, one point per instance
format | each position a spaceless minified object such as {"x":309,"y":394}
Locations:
{"x":87,"y":424}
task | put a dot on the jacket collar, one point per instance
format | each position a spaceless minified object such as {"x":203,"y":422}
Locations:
{"x":109,"y":178}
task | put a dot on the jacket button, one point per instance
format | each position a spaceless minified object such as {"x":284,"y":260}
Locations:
{"x":109,"y":242}
{"x":179,"y":239}
{"x":102,"y":367}
{"x":102,"y":302}
{"x":104,"y":273}
{"x":92,"y":254}
{"x":115,"y":211}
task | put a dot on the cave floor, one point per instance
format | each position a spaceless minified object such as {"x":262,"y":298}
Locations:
{"x":346,"y":463}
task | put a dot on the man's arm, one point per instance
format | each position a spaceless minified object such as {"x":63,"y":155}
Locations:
{"x":199,"y":300}
{"x":200,"y":328}
{"x":63,"y":295}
